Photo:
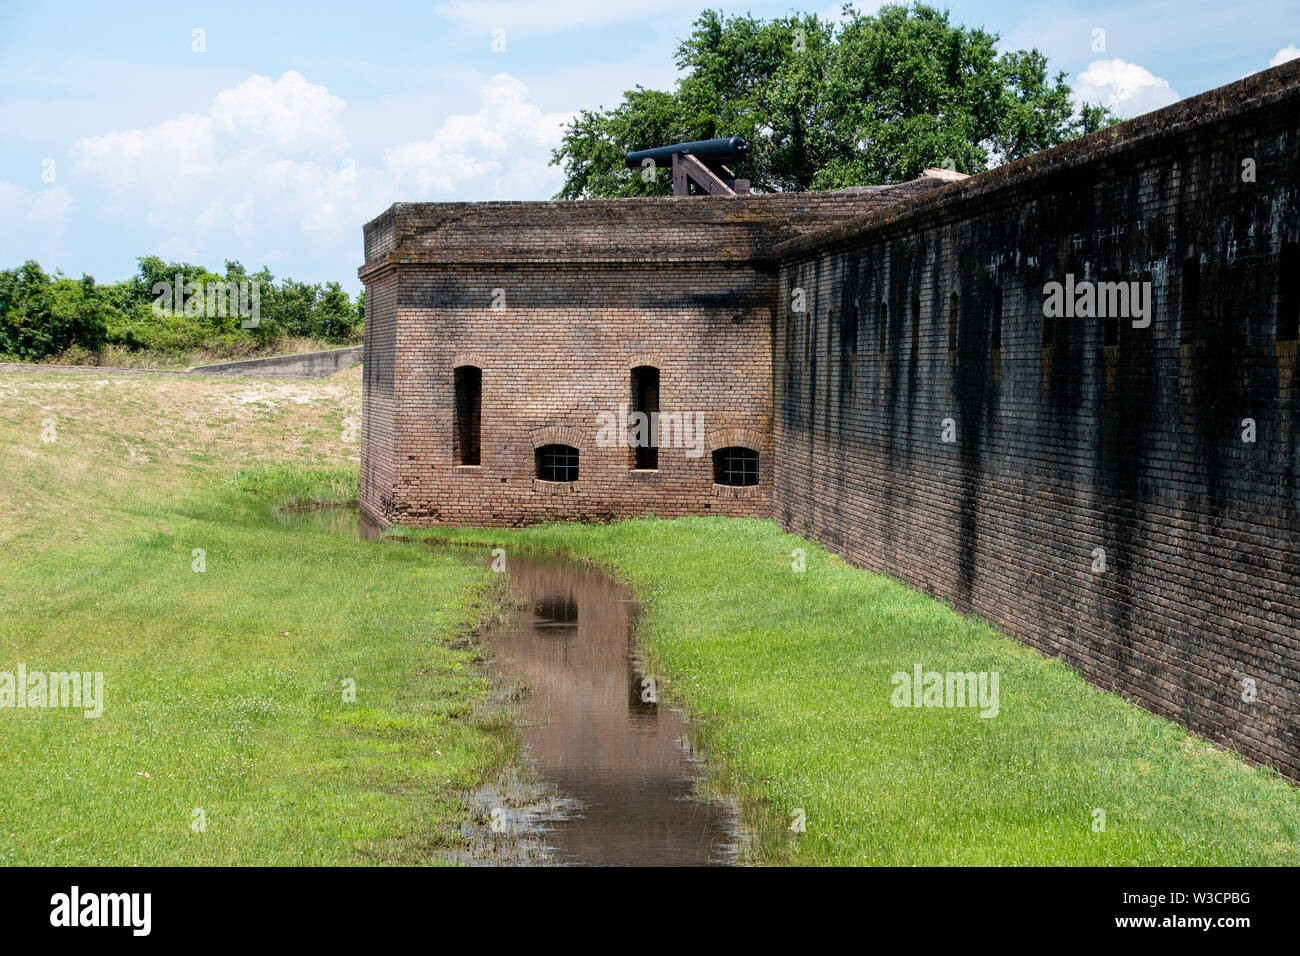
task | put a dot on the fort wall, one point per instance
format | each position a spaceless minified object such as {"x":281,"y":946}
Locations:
{"x":1122,"y":492}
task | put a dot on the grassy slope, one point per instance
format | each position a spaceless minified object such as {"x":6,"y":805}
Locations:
{"x":117,"y":356}
{"x":223,"y":687}
{"x":791,"y":673}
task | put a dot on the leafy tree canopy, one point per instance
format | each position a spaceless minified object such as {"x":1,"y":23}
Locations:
{"x":43,"y":315}
{"x":824,"y":105}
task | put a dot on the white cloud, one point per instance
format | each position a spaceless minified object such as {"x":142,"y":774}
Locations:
{"x":258,"y":118}
{"x":178,"y":149}
{"x":178,"y":249}
{"x":1126,"y":88}
{"x":38,"y":206}
{"x":503,"y":142}
{"x":43,"y":214}
{"x":289,"y":112}
{"x":267,"y":165}
{"x":1284,"y":54}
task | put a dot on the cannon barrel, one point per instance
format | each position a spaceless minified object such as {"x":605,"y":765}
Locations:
{"x":726,"y":150}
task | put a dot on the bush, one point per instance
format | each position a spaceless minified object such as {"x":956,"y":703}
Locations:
{"x":42,"y":316}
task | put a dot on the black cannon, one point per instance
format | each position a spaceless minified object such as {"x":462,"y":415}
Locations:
{"x":727,"y":150}
{"x":698,"y":165}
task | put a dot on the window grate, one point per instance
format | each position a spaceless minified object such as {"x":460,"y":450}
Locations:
{"x":735,"y":466}
{"x":557,"y":463}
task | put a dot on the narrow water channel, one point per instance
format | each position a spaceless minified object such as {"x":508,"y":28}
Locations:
{"x":595,"y":734}
{"x":594,"y":729}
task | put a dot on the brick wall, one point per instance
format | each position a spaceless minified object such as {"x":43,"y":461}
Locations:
{"x":1131,"y":442}
{"x":1082,"y":436}
{"x":556,"y":303}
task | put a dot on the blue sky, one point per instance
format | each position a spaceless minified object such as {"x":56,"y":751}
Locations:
{"x":292,"y":126}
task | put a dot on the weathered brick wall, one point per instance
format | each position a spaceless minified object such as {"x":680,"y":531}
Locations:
{"x":379,"y":397}
{"x":1094,"y":437}
{"x":587,"y":292}
{"x":1059,"y":449}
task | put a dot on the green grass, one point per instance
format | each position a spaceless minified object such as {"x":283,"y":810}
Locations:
{"x":289,"y":486}
{"x":223,"y":686}
{"x":790,"y":673}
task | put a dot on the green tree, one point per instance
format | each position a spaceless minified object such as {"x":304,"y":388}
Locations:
{"x":875,"y":99}
{"x":41,"y":314}
{"x":336,"y":317}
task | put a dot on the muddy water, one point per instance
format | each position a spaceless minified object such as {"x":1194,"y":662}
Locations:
{"x":598,"y":743}
{"x":594,"y":732}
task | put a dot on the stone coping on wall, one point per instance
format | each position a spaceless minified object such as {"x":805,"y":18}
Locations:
{"x":1268,"y":89}
{"x":668,"y":230}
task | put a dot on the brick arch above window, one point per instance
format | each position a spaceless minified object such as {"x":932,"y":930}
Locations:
{"x":477,"y":359}
{"x":651,"y":359}
{"x":558,"y":435}
{"x":735,"y":436}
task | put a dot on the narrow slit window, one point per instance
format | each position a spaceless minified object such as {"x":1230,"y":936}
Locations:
{"x":1115,"y":304}
{"x":884,"y":328}
{"x":1288,"y":303}
{"x":735,"y":466}
{"x":1189,"y":304}
{"x":916,"y":325}
{"x":557,"y":463}
{"x":468,"y":387}
{"x":1111,"y":330}
{"x":996,"y":320}
{"x":952,"y":323}
{"x":645,"y":402}
{"x":849,"y":329}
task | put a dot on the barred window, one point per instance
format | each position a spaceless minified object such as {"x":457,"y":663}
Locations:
{"x":735,"y":466}
{"x":557,"y":463}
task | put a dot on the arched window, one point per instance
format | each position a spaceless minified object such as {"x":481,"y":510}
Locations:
{"x":641,"y":435}
{"x":468,"y":386}
{"x":735,"y":466}
{"x":557,"y":463}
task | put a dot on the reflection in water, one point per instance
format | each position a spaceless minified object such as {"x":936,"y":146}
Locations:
{"x":555,"y":616}
{"x":593,"y":726}
{"x":335,"y":520}
{"x":594,"y":730}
